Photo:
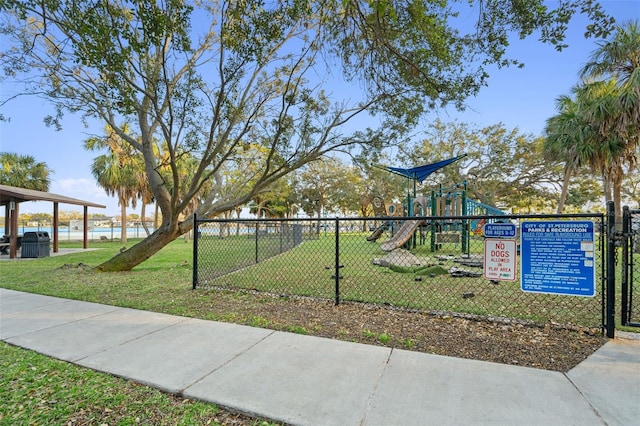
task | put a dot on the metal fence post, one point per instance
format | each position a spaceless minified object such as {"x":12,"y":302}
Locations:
{"x":465,"y":222}
{"x":624,"y":283}
{"x":256,"y":252}
{"x":195,"y":252}
{"x":337,"y":263}
{"x":281,"y":237}
{"x":611,"y":270}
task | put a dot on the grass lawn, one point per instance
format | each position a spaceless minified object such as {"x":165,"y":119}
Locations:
{"x":309,"y":269}
{"x":162,"y":284}
{"x":32,"y":387}
{"x":35,"y":389}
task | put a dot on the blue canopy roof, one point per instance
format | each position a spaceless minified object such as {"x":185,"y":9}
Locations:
{"x":420,"y":173}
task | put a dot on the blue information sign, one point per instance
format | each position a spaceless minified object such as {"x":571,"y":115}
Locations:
{"x":557,"y":257}
{"x":499,"y":230}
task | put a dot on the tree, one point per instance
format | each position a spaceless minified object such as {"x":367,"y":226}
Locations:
{"x":586,"y":132}
{"x":117,"y":172}
{"x":501,"y":167}
{"x":250,"y":75}
{"x":273,"y":203}
{"x":584,"y":192}
{"x":23,"y":171}
{"x":613,"y":107}
{"x":145,"y":195}
{"x":317,"y":182}
{"x":41,"y":218}
{"x":378,"y":182}
{"x":566,"y":139}
{"x":348,"y":191}
{"x":631,"y":190}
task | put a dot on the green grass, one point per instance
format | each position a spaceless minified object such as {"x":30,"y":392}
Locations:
{"x":368,"y":334}
{"x":309,"y":270}
{"x":35,"y":389}
{"x":409,"y":343}
{"x":384,"y":338}
{"x":32,"y":386}
{"x":162,"y":283}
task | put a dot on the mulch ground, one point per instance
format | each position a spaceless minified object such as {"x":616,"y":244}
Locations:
{"x":507,"y":342}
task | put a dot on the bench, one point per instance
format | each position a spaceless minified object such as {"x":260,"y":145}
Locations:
{"x":3,"y":247}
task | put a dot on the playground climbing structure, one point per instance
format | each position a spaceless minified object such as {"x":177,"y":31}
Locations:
{"x":443,"y":203}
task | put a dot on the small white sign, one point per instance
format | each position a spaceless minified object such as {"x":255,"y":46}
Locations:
{"x":500,"y":259}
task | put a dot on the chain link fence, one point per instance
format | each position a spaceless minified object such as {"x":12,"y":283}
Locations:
{"x":439,"y":265}
{"x":630,"y":253}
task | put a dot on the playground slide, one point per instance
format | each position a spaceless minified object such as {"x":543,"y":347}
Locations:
{"x":402,"y":236}
{"x":378,"y":231}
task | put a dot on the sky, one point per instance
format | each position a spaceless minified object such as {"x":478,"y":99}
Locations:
{"x":518,"y":98}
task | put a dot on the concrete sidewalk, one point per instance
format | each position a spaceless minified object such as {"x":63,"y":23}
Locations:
{"x":60,"y":252}
{"x":307,"y":380}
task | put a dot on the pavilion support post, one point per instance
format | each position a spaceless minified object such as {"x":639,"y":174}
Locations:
{"x":56,"y":224}
{"x":85,"y":232}
{"x":7,"y":224}
{"x":13,"y":241}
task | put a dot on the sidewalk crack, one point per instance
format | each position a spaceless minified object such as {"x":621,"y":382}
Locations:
{"x":227,"y":362}
{"x":582,"y":395}
{"x":375,"y":388}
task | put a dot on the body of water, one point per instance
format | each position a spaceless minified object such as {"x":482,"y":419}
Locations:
{"x":67,"y":234}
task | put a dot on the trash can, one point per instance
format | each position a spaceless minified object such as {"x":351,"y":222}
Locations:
{"x":35,"y":244}
{"x":297,"y":235}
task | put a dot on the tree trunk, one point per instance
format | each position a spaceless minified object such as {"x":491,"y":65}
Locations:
{"x":144,"y":222}
{"x":128,"y":259}
{"x":565,"y":189}
{"x":318,"y":222}
{"x":123,"y":222}
{"x":238,"y":213}
{"x":155,"y":216}
{"x":606,"y":183}
{"x":617,"y":197}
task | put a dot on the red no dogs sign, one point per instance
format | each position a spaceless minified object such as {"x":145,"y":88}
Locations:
{"x":500,"y":259}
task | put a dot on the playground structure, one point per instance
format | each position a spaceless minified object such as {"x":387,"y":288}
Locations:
{"x":442,"y":203}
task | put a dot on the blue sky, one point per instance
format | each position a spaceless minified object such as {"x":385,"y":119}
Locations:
{"x":518,"y":98}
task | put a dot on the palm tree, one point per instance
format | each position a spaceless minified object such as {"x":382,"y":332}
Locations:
{"x":600,"y":127}
{"x":23,"y":171}
{"x":617,"y":114}
{"x":146,"y":197}
{"x":565,"y":139}
{"x":116,"y":172}
{"x":143,"y":189}
{"x":618,"y":58}
{"x":614,"y":142}
{"x":583,"y":134}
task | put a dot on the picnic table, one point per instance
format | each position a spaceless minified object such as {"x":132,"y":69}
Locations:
{"x":5,"y":242}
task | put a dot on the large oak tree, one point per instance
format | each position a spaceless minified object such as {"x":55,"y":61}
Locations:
{"x":207,"y":78}
{"x":502,"y":168}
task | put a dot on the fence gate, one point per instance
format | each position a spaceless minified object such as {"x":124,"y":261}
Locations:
{"x":630,"y":279}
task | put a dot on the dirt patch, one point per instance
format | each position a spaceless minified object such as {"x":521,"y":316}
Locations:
{"x":399,"y":257}
{"x":507,"y":342}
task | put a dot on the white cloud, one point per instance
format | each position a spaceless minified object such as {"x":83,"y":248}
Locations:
{"x":83,"y":189}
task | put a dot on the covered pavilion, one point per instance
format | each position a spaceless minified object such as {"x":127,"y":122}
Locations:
{"x":11,"y":197}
